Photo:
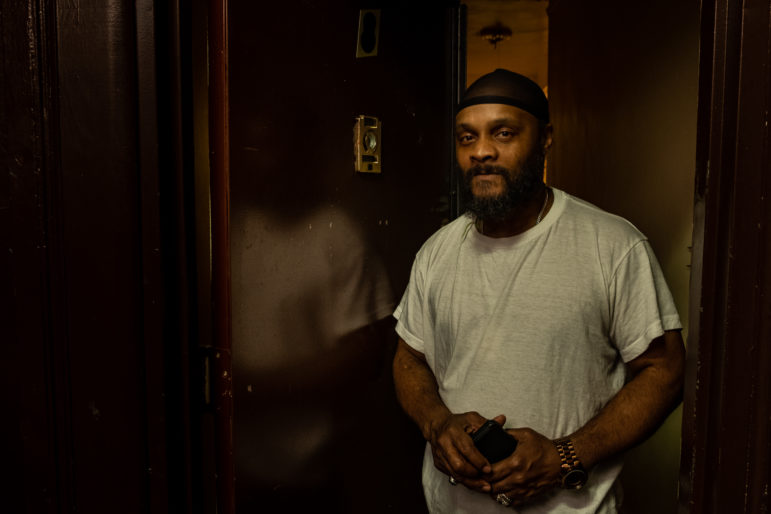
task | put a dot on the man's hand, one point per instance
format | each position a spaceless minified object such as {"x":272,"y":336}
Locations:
{"x":454,"y":451}
{"x":533,"y":467}
{"x":531,"y":470}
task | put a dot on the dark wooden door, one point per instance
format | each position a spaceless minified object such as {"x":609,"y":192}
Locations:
{"x":320,"y":254}
{"x":93,"y":340}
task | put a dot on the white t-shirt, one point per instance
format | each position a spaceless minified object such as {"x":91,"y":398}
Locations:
{"x":537,"y":327}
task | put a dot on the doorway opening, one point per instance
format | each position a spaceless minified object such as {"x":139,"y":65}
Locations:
{"x":623,"y":104}
{"x":512,"y":35}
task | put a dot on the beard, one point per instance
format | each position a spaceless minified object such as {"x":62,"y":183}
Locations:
{"x":521,"y":185}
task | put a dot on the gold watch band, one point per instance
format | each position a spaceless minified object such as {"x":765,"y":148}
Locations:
{"x":567,"y":454}
{"x":573,"y":473}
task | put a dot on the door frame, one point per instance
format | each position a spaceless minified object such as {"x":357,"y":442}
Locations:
{"x":727,"y":400}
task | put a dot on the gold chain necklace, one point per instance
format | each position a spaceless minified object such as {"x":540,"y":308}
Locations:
{"x":540,"y":214}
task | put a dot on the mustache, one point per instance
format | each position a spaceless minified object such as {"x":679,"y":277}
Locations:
{"x":488,"y":169}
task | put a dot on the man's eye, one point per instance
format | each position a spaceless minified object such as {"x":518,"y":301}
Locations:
{"x":465,"y":138}
{"x":505,"y":133}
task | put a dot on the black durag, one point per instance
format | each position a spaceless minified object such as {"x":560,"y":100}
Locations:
{"x":509,"y":88}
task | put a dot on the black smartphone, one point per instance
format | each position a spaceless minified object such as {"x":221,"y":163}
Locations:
{"x":494,"y":442}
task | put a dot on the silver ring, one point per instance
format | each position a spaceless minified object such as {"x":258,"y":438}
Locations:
{"x":453,"y":481}
{"x":503,"y":499}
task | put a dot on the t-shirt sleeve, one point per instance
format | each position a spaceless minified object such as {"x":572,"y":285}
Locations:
{"x":641,"y":304}
{"x":409,"y":312}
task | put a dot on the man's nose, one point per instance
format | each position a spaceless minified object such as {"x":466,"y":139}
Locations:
{"x":484,"y":151}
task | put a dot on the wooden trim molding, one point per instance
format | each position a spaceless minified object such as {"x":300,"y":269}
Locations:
{"x":726,"y":444}
{"x":219,"y":137}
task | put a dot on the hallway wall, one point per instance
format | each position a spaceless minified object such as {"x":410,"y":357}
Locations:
{"x":623,"y":92}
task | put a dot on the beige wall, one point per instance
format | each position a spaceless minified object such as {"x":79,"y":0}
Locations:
{"x":623,"y":86}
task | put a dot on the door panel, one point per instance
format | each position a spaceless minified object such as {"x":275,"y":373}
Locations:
{"x":320,"y":254}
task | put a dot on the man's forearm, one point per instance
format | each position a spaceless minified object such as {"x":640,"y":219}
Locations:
{"x":639,"y":407}
{"x":630,"y":416}
{"x":453,"y":450}
{"x":417,"y":390}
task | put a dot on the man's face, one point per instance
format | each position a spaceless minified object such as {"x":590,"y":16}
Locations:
{"x":500,"y":149}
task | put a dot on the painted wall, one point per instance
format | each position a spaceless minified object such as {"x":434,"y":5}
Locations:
{"x":623,"y":86}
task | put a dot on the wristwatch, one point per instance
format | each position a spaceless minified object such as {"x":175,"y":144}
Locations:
{"x":574,"y":475}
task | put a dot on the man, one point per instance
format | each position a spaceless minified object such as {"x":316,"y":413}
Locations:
{"x":537,"y":310}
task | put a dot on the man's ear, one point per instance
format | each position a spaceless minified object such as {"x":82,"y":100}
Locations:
{"x":546,"y":137}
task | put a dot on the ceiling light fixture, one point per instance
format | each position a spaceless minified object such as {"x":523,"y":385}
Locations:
{"x":495,"y":33}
